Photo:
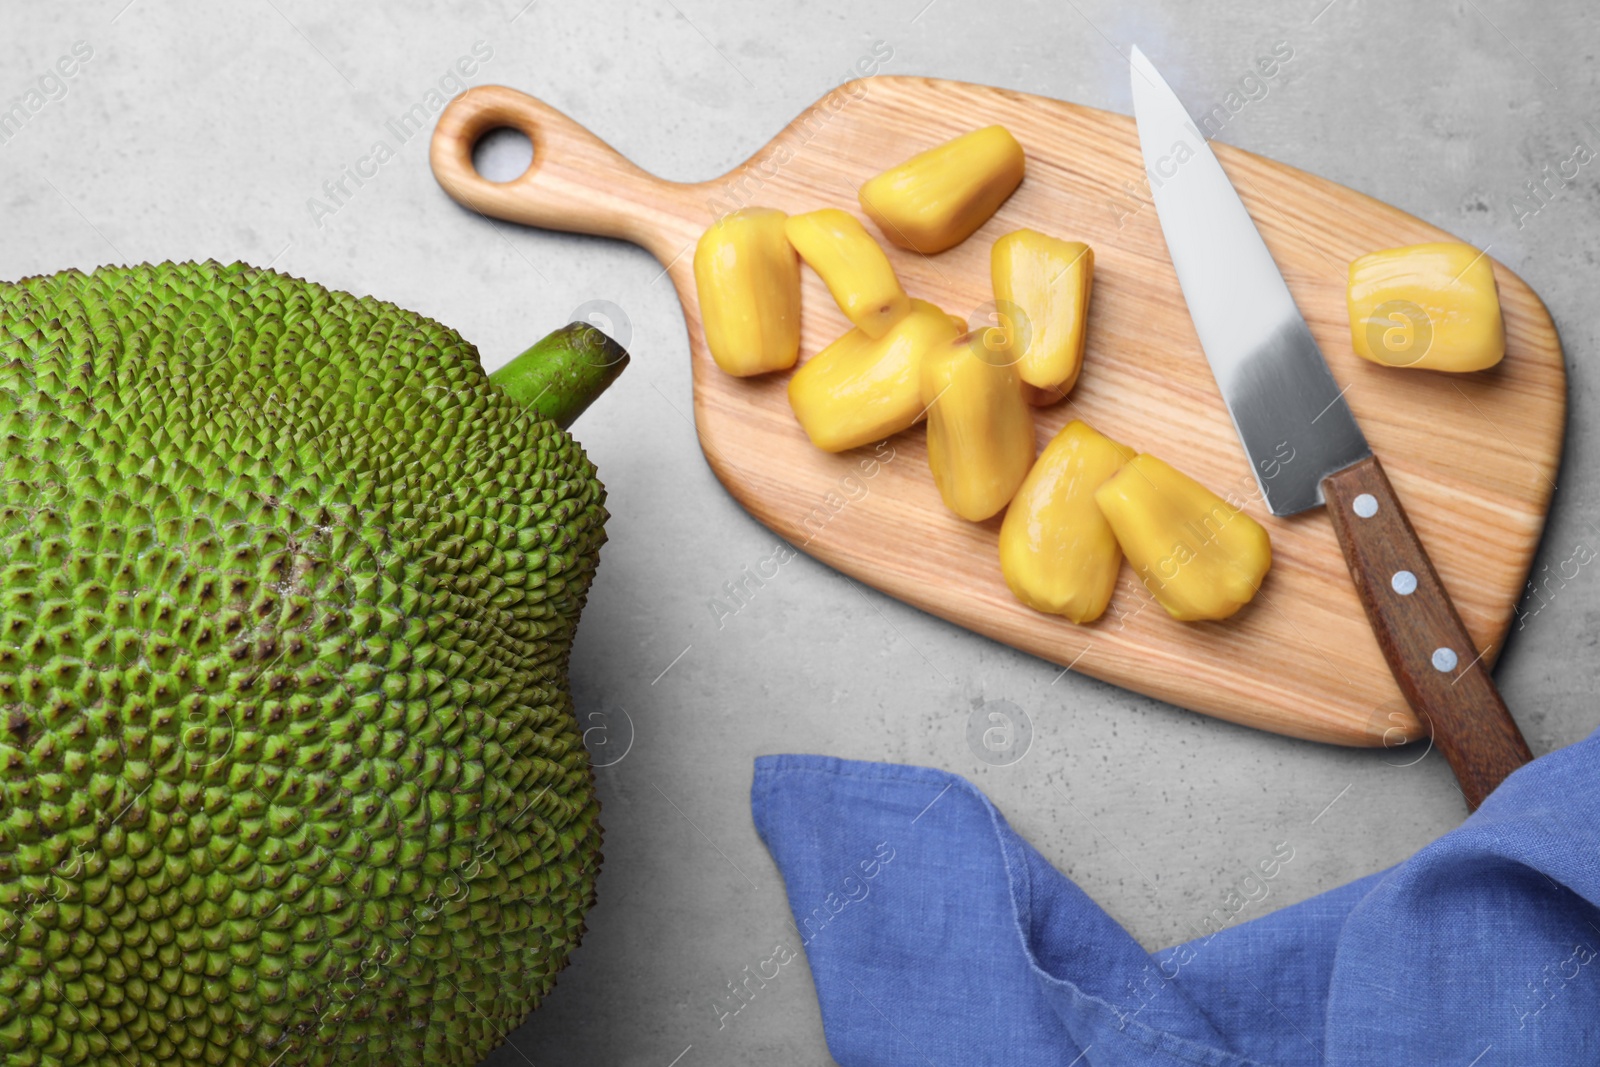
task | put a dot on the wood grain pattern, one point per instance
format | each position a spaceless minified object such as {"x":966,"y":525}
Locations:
{"x":1422,"y":636}
{"x":1474,"y":456}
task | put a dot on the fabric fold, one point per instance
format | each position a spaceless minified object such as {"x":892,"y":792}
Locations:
{"x":937,"y":935}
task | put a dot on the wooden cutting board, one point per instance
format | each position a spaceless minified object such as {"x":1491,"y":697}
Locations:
{"x":1474,"y":457}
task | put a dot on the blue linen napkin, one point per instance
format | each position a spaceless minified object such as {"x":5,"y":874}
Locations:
{"x":938,"y":936}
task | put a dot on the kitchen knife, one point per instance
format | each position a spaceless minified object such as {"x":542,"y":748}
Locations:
{"x":1304,"y":445}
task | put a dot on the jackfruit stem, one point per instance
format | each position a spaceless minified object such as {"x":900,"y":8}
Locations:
{"x":560,"y":376}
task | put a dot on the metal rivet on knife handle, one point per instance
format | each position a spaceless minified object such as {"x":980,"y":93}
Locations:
{"x":1421,"y":634}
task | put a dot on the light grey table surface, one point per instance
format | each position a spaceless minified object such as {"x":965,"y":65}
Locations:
{"x":200,"y":130}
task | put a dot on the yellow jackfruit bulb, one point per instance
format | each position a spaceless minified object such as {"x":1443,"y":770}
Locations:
{"x":937,"y":199}
{"x":1045,"y":283}
{"x":980,"y":430}
{"x":1428,"y":306}
{"x":1200,"y":557}
{"x":748,"y":279}
{"x":1057,"y":552}
{"x":852,"y":266}
{"x":859,"y":390}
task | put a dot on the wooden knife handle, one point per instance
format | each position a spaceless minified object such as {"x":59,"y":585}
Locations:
{"x":1428,"y":648}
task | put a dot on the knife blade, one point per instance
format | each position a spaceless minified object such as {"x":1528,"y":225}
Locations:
{"x":1285,"y":402}
{"x":1279,"y":390}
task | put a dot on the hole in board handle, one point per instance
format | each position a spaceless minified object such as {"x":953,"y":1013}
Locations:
{"x":502,"y":155}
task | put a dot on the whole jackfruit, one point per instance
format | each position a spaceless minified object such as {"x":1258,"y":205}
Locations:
{"x":289,"y":771}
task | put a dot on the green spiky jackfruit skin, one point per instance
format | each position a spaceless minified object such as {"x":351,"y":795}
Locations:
{"x":289,"y":771}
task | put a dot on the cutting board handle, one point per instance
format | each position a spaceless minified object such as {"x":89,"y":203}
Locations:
{"x":576,"y":181}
